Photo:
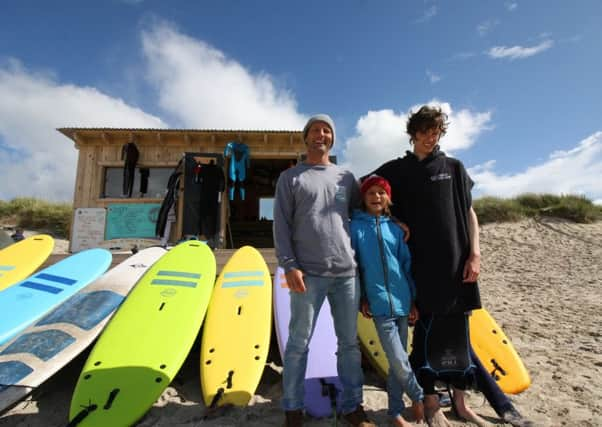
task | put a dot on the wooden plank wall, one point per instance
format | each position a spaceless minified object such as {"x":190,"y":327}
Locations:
{"x":101,"y":148}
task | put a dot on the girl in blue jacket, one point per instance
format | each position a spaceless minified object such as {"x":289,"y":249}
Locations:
{"x":388,"y":290}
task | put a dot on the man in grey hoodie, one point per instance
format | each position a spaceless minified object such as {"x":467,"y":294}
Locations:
{"x":311,"y":233}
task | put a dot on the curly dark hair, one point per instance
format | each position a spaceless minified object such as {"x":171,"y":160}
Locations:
{"x":425,"y":119}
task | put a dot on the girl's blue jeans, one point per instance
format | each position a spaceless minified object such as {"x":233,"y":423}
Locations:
{"x":393,"y":334}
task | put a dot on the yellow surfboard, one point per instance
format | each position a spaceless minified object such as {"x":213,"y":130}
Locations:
{"x":497,"y":354}
{"x":147,"y":340}
{"x":371,"y":346}
{"x":236,"y":333}
{"x":19,"y":260}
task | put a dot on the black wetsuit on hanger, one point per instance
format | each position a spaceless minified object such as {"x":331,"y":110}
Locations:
{"x":170,"y":198}
{"x":129,"y":154}
{"x":213,"y":182}
{"x":144,"y":174}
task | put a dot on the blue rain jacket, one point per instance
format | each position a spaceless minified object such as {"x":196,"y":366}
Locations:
{"x":384,"y":263}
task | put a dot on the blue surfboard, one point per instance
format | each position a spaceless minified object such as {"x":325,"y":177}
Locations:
{"x":28,"y":300}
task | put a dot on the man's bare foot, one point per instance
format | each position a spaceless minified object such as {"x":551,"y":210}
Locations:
{"x":398,"y":421}
{"x":418,"y":411}
{"x":465,"y":412}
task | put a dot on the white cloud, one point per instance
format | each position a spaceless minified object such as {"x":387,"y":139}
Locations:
{"x":35,"y":159}
{"x":433,"y":78}
{"x":428,"y":14}
{"x":201,"y":87}
{"x":575,"y":171}
{"x":519,"y":52}
{"x":380,"y":136}
{"x":486,"y":26}
{"x":511,"y":5}
{"x":197,"y":85}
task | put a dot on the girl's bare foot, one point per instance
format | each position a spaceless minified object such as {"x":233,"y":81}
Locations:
{"x":418,"y":411}
{"x":432,"y":412}
{"x":437,"y":419}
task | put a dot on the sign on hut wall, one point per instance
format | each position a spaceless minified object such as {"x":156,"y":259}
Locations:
{"x":88,"y":228}
{"x":131,"y":220}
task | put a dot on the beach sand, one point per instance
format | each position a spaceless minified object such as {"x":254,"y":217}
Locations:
{"x":541,"y":280}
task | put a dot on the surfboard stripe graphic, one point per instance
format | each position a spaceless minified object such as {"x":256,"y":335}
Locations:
{"x":179,"y":274}
{"x":57,"y":279}
{"x":233,"y":274}
{"x":243,"y":283}
{"x":12,"y":372}
{"x":174,"y":283}
{"x":41,"y":287}
{"x":84,"y":310}
{"x":7,"y":267}
{"x":44,"y":345}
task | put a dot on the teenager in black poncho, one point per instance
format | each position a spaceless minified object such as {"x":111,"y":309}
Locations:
{"x":433,"y":197}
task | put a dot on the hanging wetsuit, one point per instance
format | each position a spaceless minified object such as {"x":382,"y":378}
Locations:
{"x":211,"y":178}
{"x":129,"y":154}
{"x":168,"y":201}
{"x":239,"y":162}
{"x":144,"y":174}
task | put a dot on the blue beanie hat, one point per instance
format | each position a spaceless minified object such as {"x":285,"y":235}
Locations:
{"x":320,"y":118}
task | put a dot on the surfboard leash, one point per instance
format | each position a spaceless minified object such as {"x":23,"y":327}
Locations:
{"x":86,"y":410}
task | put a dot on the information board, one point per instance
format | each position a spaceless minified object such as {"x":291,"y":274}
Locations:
{"x":131,"y":220}
{"x":88,"y":228}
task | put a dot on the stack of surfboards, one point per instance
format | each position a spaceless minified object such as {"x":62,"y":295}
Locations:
{"x":25,"y":302}
{"x":44,"y":348}
{"x":236,"y":334}
{"x":147,"y":340}
{"x":322,"y":384}
{"x":21,"y":259}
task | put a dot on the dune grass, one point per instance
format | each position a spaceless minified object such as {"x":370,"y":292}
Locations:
{"x":575,"y":208}
{"x":36,"y":214}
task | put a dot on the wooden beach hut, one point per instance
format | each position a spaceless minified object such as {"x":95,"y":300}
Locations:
{"x":103,"y":214}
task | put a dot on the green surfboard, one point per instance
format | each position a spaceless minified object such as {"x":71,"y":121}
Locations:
{"x":148,"y":339}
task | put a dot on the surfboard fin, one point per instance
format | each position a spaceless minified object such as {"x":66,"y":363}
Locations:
{"x":330,"y":390}
{"x":213,"y":410}
{"x":112,"y":395}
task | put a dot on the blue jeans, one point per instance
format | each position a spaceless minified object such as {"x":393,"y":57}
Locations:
{"x":343,"y":295}
{"x":393,"y":334}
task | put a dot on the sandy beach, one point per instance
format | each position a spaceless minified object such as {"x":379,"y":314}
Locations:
{"x":541,"y":280}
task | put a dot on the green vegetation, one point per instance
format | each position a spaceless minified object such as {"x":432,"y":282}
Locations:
{"x":37,"y":214}
{"x":55,"y":218}
{"x":574,"y":208}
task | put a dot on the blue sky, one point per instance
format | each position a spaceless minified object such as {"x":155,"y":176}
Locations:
{"x":519,"y":79}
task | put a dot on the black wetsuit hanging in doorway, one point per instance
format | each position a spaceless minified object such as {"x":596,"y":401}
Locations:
{"x":212,"y":181}
{"x":129,"y":154}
